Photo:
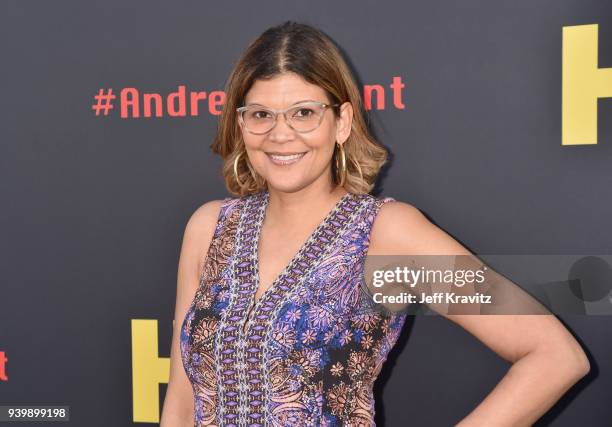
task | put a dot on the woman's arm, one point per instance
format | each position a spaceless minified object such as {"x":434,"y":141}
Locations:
{"x":178,"y":409}
{"x":546,"y":359}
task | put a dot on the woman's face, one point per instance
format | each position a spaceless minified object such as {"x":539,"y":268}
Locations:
{"x":316,"y":147}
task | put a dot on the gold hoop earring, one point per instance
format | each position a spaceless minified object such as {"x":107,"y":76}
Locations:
{"x":341,"y":170}
{"x":240,"y":184}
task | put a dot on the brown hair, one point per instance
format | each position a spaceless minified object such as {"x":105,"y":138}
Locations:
{"x":308,"y":52}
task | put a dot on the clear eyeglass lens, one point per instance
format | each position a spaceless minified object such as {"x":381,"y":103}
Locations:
{"x":302,"y":118}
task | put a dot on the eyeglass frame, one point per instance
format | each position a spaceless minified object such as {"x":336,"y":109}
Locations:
{"x":240,"y":110}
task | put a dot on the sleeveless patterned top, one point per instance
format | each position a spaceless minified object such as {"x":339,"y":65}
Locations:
{"x":308,"y":351}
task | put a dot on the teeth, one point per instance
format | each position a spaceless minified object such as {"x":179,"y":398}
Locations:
{"x":286,"y":158}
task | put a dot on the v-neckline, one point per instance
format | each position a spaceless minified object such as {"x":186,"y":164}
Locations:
{"x":296,"y":257}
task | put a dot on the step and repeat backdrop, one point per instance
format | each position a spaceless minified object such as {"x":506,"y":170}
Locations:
{"x":497,"y":115}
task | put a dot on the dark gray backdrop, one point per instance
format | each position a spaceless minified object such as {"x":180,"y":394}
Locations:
{"x":93,"y":208}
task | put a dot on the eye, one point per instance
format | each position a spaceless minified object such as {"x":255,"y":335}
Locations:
{"x":259,"y":114}
{"x":304,"y":112}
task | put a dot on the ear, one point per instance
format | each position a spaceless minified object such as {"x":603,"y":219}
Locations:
{"x":344,"y":122}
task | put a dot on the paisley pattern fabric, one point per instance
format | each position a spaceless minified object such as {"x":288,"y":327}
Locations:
{"x":308,"y":351}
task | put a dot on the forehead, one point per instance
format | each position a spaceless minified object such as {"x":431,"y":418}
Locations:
{"x":283,"y":90}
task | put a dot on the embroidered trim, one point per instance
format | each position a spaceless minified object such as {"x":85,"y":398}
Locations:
{"x":225,"y":344}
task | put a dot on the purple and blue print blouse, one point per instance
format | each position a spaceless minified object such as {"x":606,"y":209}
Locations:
{"x":308,"y":351}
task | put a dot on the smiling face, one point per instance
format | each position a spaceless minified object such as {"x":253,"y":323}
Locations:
{"x":289,"y":160}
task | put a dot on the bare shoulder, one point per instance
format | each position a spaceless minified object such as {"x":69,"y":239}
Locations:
{"x":401,"y":228}
{"x":199,"y":232}
{"x":204,"y":218}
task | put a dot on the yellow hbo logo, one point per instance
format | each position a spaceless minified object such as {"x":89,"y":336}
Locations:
{"x":583,"y":83}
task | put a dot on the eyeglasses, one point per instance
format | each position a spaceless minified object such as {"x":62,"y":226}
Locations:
{"x":302,"y":118}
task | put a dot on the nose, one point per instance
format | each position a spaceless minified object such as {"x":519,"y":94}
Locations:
{"x":281,"y":130}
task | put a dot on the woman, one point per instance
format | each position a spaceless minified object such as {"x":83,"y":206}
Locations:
{"x":270,"y":326}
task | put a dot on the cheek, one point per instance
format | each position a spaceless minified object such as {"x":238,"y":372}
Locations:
{"x":252,"y":143}
{"x":323,"y":139}
{"x":321,"y":155}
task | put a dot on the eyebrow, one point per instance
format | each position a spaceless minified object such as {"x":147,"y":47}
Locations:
{"x":295,"y":103}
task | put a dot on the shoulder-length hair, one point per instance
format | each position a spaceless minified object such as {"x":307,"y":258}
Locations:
{"x":310,"y":53}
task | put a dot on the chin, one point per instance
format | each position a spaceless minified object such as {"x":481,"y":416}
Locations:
{"x":287,"y":186}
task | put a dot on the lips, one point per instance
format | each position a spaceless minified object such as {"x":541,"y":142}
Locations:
{"x":285,"y":158}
